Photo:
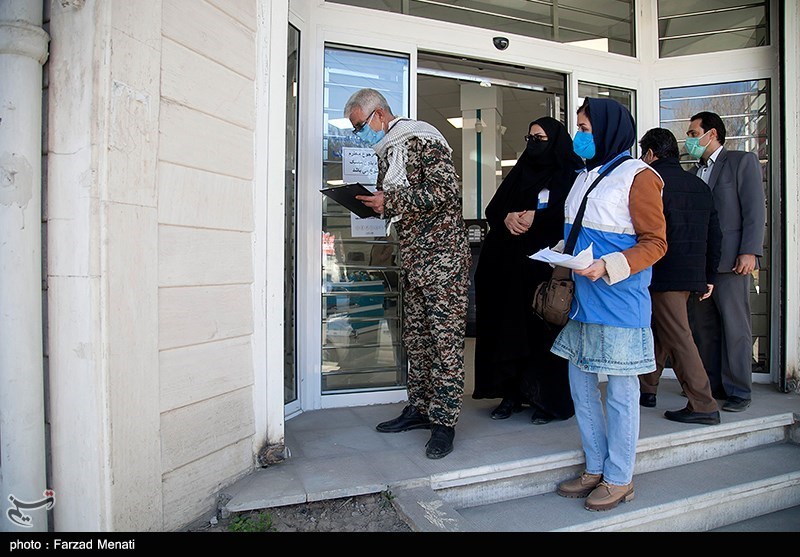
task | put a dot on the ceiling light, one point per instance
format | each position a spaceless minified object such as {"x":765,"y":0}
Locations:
{"x":341,"y":123}
{"x":352,"y":73}
{"x":456,"y":122}
{"x":483,"y":81}
{"x":508,"y":162}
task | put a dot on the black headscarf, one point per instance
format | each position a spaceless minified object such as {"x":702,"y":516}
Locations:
{"x":550,"y":164}
{"x":613,"y":129}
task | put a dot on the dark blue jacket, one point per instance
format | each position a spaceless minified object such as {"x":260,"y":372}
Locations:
{"x":694,"y":238}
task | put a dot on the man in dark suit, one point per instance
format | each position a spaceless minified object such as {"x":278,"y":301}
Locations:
{"x":721,"y":324}
{"x":689,"y":266}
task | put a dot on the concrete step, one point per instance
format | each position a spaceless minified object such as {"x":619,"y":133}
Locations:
{"x":692,"y":497}
{"x":701,"y":479}
{"x":786,"y":520}
{"x":540,"y":475}
{"x":338,"y":453}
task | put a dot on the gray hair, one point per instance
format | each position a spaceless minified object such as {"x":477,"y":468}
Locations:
{"x":367,"y":100}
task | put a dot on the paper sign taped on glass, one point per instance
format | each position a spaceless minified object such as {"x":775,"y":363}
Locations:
{"x":346,"y":196}
{"x":579,"y":261}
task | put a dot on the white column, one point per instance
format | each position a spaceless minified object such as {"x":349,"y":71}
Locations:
{"x":481,"y":140}
{"x":268,"y":245}
{"x":23,"y":50}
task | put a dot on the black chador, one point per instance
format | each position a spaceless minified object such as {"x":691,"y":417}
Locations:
{"x":512,"y":345}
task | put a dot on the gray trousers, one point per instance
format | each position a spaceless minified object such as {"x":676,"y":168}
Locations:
{"x":723,"y":333}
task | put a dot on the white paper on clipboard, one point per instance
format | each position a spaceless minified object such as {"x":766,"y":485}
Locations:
{"x":370,"y":226}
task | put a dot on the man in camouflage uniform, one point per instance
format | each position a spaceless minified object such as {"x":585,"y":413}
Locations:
{"x":418,"y":193}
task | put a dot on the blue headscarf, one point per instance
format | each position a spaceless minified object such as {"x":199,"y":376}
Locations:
{"x":613,"y":129}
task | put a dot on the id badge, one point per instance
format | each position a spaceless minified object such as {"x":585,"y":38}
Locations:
{"x":544,"y":197}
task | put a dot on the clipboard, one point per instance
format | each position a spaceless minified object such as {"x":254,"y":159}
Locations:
{"x":346,"y":197}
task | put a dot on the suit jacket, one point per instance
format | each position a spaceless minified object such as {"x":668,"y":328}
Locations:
{"x":739,"y":197}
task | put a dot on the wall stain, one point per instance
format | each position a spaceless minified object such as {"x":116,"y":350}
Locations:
{"x":16,"y":180}
{"x":83,"y":350}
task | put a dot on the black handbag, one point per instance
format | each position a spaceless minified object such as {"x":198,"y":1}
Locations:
{"x":552,"y":298}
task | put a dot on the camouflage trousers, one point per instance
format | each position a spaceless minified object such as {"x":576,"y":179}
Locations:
{"x":434,"y":325}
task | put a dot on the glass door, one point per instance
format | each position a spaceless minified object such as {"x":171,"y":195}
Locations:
{"x":484,"y":110}
{"x":290,"y":382}
{"x":361,"y":291}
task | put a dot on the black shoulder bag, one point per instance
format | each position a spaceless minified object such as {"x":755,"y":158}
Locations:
{"x":553,"y":298}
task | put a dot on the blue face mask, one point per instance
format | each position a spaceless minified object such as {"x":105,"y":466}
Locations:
{"x":368,"y":135}
{"x":583,"y":145}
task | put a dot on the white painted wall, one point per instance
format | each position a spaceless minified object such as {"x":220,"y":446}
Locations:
{"x":152,"y":167}
{"x":101,"y":217}
{"x":206,"y":171}
{"x":77,"y":396}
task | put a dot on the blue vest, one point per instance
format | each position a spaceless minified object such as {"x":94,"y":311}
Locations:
{"x":608,"y":227}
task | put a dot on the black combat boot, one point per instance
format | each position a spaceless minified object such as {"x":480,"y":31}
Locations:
{"x":410,"y":418}
{"x":441,"y":442}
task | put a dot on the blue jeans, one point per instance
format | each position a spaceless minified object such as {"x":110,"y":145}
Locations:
{"x":608,"y":437}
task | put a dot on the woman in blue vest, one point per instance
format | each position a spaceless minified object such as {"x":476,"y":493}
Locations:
{"x":609,"y":328}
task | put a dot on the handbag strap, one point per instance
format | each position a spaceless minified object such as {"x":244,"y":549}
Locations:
{"x":576,"y":226}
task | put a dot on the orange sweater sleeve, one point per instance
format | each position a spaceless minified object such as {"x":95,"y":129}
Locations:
{"x":647,"y":214}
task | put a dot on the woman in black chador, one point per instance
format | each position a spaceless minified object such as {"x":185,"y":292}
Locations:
{"x":512,"y":345}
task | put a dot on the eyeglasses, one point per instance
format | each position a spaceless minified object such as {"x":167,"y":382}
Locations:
{"x":359,"y":127}
{"x":535,"y":138}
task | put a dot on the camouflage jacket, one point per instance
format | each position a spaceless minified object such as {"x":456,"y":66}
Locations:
{"x":432,"y":235}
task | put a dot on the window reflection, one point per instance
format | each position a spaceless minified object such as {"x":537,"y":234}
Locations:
{"x":695,"y":26}
{"x":745,"y":110}
{"x":743,"y":107}
{"x":601,"y":24}
{"x":361,"y":291}
{"x":625,"y":97}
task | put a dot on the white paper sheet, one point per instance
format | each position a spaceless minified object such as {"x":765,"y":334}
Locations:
{"x":579,"y":261}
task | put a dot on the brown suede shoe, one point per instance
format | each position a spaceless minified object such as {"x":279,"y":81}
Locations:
{"x":579,"y":487}
{"x":606,"y":496}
